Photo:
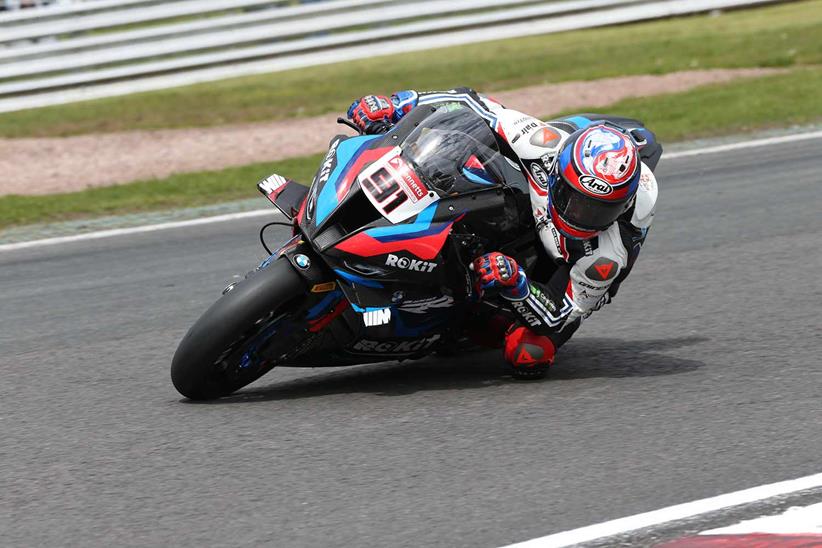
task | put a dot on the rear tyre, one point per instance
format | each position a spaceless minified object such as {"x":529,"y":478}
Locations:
{"x":211,"y":360}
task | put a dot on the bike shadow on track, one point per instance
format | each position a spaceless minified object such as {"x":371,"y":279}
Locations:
{"x":583,"y":358}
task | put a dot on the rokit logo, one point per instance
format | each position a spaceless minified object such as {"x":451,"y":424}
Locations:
{"x":595,"y":186}
{"x":409,"y":264}
{"x":328,"y":163}
{"x":525,"y":313}
{"x":422,"y":306}
{"x":395,"y":347}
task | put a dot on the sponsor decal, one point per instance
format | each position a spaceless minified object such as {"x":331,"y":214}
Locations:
{"x":603,"y":269}
{"x":555,"y":234}
{"x":540,"y":176}
{"x":545,"y":138}
{"x":525,"y":358}
{"x":272,"y":184}
{"x":525,"y":129}
{"x":405,"y":263}
{"x":547,"y":161}
{"x":589,"y":286}
{"x":422,"y":306}
{"x":374,"y":103}
{"x":595,"y":186}
{"x":372,"y":318}
{"x":393,"y":187}
{"x":328,"y":163}
{"x":589,"y":249}
{"x":546,"y":301}
{"x":395,"y":347}
{"x":312,"y":203}
{"x":415,"y":189}
{"x":526,"y":313}
{"x":645,"y":181}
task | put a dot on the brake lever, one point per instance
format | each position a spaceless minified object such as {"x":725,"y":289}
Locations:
{"x":350,"y":124}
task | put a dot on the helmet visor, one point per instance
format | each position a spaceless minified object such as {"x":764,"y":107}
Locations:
{"x":582,"y":211}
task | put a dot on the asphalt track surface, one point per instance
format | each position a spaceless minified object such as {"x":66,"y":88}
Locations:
{"x":702,"y":377}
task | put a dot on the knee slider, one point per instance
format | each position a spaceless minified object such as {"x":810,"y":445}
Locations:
{"x":525,"y":349}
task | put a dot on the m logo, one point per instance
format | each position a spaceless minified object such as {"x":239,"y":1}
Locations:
{"x":372,"y":318}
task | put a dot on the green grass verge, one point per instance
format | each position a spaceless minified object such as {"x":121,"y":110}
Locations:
{"x":723,"y":109}
{"x":185,"y":190}
{"x":712,"y":110}
{"x":782,"y":35}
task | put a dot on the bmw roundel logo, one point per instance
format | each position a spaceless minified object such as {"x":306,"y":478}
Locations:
{"x":302,"y":261}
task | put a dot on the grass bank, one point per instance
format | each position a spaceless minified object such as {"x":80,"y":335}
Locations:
{"x":745,"y":105}
{"x":777,"y":36}
{"x":723,"y":109}
{"x":185,"y":190}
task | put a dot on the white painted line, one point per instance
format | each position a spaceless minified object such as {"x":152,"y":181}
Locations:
{"x":796,"y":520}
{"x":139,"y":229}
{"x":745,"y":144}
{"x":672,"y":513}
{"x":230,"y":217}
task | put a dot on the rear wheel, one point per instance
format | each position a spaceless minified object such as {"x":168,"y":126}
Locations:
{"x":237,"y":340}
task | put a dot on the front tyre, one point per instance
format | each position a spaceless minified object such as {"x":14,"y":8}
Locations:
{"x":212,"y":360}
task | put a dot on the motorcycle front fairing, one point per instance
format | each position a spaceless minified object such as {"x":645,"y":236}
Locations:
{"x":382,"y":213}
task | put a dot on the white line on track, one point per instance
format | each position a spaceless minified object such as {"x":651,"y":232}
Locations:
{"x":744,"y":144}
{"x":797,"y":520}
{"x":139,"y":229}
{"x":260,"y":212}
{"x":671,"y":513}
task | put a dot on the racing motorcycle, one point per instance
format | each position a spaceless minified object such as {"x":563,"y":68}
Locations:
{"x":377,"y":265}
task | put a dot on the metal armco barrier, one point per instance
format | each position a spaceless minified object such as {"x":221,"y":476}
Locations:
{"x":72,"y":65}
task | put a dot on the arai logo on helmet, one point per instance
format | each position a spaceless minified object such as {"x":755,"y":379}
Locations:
{"x":595,"y":186}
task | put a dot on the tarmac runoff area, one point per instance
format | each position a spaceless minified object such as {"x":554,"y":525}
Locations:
{"x":700,"y":381}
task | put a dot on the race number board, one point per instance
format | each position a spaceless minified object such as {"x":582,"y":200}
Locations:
{"x":394,"y":188}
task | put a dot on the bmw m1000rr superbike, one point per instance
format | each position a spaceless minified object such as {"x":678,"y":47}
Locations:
{"x":377,"y":268}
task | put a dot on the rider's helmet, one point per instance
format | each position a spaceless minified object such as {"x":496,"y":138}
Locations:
{"x":594,"y":180}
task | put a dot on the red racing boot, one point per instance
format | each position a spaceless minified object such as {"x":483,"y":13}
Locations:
{"x":529,"y":354}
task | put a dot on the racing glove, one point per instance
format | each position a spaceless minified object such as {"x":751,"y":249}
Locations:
{"x":373,"y":114}
{"x":499,"y":273}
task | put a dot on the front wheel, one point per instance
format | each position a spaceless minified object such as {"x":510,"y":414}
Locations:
{"x":223,"y":350}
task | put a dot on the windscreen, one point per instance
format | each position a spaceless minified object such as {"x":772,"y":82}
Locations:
{"x":454,"y":151}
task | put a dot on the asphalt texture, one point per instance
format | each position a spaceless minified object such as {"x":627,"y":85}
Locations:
{"x":702,"y":377}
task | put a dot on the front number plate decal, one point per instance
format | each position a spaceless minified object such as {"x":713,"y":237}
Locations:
{"x":394,"y":188}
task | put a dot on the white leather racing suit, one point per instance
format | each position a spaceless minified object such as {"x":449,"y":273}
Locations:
{"x":573,"y":278}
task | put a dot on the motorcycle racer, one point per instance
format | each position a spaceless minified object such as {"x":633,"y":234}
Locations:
{"x":593,"y":195}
